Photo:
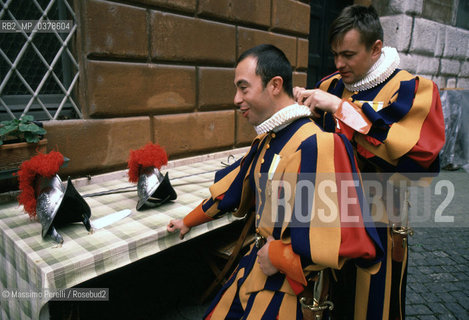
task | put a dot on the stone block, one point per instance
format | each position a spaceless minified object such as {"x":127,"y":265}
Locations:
{"x":456,"y":42}
{"x":118,"y":88}
{"x":181,"y":5}
{"x":427,"y":65}
{"x":216,"y":88}
{"x":215,"y":8}
{"x":440,"y":43}
{"x":425,"y":36}
{"x":450,"y":67}
{"x":97,"y":145}
{"x":408,"y":62}
{"x":107,"y":34}
{"x":181,"y":38}
{"x":464,"y":69}
{"x":406,"y":6}
{"x":248,"y":38}
{"x":245,"y":132}
{"x":463,"y":83}
{"x":438,"y":10}
{"x":254,"y":11}
{"x":299,"y":79}
{"x":397,"y":31}
{"x":302,"y":54}
{"x":189,"y":133}
{"x":290,"y":16}
{"x":451,"y":83}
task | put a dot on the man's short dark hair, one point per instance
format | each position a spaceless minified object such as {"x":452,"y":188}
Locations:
{"x":364,"y":19}
{"x":271,"y":62}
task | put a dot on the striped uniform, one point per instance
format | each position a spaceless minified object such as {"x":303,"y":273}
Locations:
{"x":395,"y":127}
{"x":311,"y":225}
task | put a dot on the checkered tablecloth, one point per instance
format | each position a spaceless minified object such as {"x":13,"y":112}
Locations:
{"x":28,"y":262}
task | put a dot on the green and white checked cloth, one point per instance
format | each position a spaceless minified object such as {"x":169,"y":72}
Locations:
{"x":29,"y":263}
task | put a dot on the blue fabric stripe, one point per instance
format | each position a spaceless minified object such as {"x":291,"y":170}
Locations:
{"x":299,"y":232}
{"x":232,"y":196}
{"x":247,"y":262}
{"x":276,"y":145}
{"x":378,"y":282}
{"x":208,"y":204}
{"x":274,"y":282}
{"x":382,"y":119}
{"x":220,"y":174}
{"x":249,"y":304}
{"x":272,"y":310}
{"x":408,"y":167}
{"x":397,"y":110}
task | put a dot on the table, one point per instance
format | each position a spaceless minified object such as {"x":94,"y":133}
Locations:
{"x":29,"y":263}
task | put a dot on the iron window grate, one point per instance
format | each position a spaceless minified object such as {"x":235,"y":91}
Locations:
{"x":38,"y":71}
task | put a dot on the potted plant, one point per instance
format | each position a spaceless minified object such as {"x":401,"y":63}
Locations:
{"x":20,"y":139}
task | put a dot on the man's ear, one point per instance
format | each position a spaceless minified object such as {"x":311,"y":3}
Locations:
{"x":276,"y":84}
{"x":376,"y":49}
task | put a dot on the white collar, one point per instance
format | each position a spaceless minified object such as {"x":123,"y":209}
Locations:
{"x":282,"y":118}
{"x":379,"y":72}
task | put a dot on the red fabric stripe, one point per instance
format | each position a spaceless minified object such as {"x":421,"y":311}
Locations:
{"x":355,"y":241}
{"x":295,"y":285}
{"x":432,"y":134}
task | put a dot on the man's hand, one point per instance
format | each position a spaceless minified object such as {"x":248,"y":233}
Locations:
{"x":264,"y":261}
{"x":316,"y":99}
{"x":178,"y":224}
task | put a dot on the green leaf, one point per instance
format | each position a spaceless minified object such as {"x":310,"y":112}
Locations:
{"x":27,"y":118}
{"x":7,"y":129}
{"x":31,"y":138}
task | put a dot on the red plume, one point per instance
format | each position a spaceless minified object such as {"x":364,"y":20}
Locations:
{"x":45,"y":165}
{"x":151,"y":155}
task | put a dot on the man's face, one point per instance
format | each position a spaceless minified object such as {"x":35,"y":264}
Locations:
{"x":352,"y":58}
{"x":251,"y":97}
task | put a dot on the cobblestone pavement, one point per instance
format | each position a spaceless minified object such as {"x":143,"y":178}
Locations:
{"x":438,"y":273}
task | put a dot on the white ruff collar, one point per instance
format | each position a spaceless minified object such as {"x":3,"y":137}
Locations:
{"x":379,"y":72}
{"x":282,"y":118}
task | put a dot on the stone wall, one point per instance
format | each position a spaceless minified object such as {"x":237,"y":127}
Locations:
{"x":162,"y":71}
{"x":424,"y":33}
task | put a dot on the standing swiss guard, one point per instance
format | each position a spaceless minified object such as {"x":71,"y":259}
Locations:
{"x":303,"y":186}
{"x":395,"y":123}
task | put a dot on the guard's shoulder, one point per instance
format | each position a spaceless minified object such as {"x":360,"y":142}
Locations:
{"x":326,"y":81}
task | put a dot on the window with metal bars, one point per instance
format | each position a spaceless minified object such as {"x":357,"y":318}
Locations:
{"x":38,"y":70}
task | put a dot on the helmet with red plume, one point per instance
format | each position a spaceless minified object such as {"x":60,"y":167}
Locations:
{"x":43,"y":195}
{"x":153,"y":188}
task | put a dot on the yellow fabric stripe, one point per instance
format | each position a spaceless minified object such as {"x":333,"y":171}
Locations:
{"x":325,"y":236}
{"x":387,"y":92}
{"x":255,"y":280}
{"x":409,"y":127}
{"x":261,"y":302}
{"x":223,"y":184}
{"x":387,"y":288}
{"x":326,"y":83}
{"x":287,"y":308}
{"x":306,"y":130}
{"x":362,"y":291}
{"x":224,"y":305}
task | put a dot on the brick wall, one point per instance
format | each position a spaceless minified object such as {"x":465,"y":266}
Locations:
{"x":162,"y":71}
{"x":424,"y":33}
